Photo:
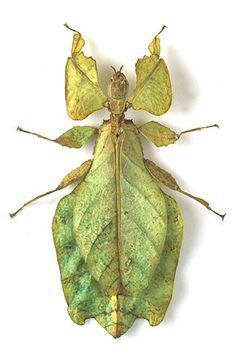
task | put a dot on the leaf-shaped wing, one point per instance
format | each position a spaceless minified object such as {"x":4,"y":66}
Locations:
{"x":153,"y":302}
{"x":110,"y":233}
{"x":153,"y":91}
{"x":83,"y":94}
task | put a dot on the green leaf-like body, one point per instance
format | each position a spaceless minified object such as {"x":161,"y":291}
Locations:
{"x":117,"y":234}
{"x":117,"y":237}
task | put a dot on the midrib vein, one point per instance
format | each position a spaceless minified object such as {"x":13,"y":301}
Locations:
{"x":118,"y":204}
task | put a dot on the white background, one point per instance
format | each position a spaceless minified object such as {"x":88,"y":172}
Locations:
{"x":199,"y":48}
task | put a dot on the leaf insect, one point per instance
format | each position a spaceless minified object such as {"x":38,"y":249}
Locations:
{"x":117,"y":234}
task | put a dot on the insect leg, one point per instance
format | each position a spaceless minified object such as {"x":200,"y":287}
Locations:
{"x":161,"y":135}
{"x":197,"y":129}
{"x":75,"y":137}
{"x":30,"y":132}
{"x":169,"y":181}
{"x":73,"y":30}
{"x":75,"y":175}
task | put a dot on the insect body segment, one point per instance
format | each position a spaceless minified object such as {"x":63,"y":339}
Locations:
{"x":117,"y":91}
{"x":117,"y":234}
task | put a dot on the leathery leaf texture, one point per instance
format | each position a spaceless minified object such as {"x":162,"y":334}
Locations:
{"x":158,"y":134}
{"x":76,"y":136}
{"x":82,"y":90}
{"x":153,"y":91}
{"x":117,"y":238}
